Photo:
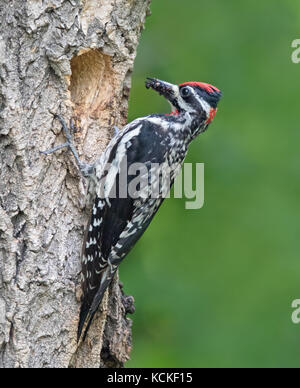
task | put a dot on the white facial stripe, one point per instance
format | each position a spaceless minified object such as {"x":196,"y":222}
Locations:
{"x":205,"y":105}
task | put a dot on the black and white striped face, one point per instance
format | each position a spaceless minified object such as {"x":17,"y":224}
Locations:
{"x":197,"y":98}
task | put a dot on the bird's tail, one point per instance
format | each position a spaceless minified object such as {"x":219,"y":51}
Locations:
{"x":88,"y":310}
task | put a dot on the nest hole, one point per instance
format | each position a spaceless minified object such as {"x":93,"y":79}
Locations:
{"x":92,"y":88}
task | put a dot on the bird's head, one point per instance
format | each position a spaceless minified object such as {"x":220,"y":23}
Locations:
{"x":199,"y":99}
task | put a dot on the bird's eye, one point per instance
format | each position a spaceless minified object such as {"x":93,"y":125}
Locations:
{"x":185,"y":92}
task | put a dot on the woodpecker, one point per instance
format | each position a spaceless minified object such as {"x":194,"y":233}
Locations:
{"x":118,"y":221}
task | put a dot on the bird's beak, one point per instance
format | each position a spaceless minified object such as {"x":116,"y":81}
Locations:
{"x":163,"y":88}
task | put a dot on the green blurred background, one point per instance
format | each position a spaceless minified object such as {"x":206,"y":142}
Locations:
{"x":214,"y":287}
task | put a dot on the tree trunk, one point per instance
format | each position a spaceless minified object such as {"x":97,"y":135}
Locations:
{"x":73,"y":58}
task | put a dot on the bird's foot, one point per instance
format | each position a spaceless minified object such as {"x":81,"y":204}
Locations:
{"x":85,"y":168}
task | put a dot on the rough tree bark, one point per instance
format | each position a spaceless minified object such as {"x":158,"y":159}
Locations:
{"x":72,"y":57}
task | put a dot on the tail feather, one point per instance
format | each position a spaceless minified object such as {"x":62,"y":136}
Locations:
{"x":90,"y":319}
{"x":88,"y":311}
{"x":83,"y":315}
